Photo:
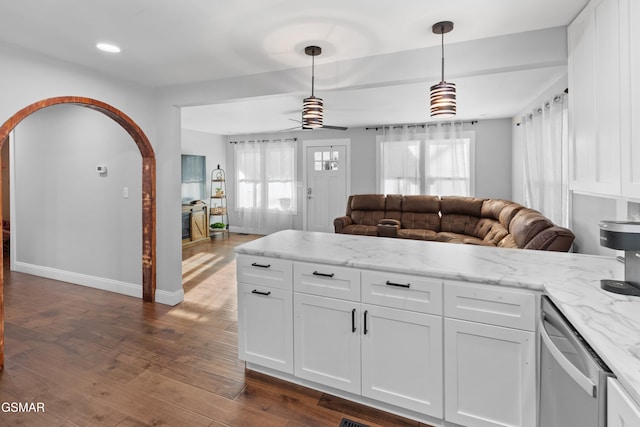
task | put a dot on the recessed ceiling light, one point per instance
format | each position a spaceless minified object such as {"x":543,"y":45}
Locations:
{"x":106,"y":47}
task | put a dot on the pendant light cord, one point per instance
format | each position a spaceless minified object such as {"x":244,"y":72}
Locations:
{"x":442,"y":33}
{"x":313,"y":72}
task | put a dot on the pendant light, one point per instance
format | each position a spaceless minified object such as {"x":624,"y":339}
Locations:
{"x":443,"y":94}
{"x":312,"y":107}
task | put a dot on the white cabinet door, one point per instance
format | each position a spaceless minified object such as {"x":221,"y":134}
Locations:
{"x":402,"y":358}
{"x":265,"y":326}
{"x":595,"y":98}
{"x":490,"y":376}
{"x":630,"y":32}
{"x":327,"y":341}
{"x":621,"y":410}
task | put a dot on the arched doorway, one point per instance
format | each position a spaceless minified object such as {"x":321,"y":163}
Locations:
{"x":148,"y":188}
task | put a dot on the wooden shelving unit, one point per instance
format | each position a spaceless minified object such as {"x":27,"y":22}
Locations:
{"x":218,"y":213}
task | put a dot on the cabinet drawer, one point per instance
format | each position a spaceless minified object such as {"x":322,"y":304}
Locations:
{"x":491,"y":305}
{"x":402,"y":291}
{"x":263,"y":271}
{"x":327,"y":281}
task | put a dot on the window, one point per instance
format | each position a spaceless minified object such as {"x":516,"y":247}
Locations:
{"x":265,"y":175}
{"x":438,"y":162}
{"x":193,"y":178}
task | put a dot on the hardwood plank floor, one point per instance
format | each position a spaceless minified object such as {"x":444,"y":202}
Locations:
{"x":95,"y":358}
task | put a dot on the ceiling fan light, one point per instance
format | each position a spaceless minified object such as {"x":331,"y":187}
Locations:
{"x":312,"y":113}
{"x":443,"y":99}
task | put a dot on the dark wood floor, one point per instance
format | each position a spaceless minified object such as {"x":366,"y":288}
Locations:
{"x":95,"y":358}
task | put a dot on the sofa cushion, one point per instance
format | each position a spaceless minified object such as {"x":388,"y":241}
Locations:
{"x":369,"y":218}
{"x":508,"y":242}
{"x":490,"y":230}
{"x":393,"y":206}
{"x":552,"y":239}
{"x":448,"y":237}
{"x":370,"y":202}
{"x":462,"y":224}
{"x":500,"y":210}
{"x":367,"y":209}
{"x":417,"y":234}
{"x":461,"y":205}
{"x":508,"y":213}
{"x":526,"y":225}
{"x":420,"y":212}
{"x":362,"y":230}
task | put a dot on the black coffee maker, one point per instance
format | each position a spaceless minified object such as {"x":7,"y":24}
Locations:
{"x":623,"y":235}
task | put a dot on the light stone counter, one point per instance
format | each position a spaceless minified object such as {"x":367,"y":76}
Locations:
{"x":610,"y":323}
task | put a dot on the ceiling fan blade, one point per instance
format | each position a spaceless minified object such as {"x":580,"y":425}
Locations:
{"x":334,"y":127}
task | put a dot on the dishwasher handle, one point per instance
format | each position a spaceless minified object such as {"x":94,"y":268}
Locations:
{"x":582,"y":380}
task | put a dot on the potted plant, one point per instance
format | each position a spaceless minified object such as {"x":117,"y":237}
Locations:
{"x":219,"y":192}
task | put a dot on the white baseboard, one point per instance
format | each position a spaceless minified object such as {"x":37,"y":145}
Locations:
{"x":169,"y":298}
{"x":124,"y":288}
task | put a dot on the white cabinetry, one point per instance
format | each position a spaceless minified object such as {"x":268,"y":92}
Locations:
{"x":604,"y":98}
{"x":621,"y":410}
{"x":364,"y":345}
{"x":402,"y":358}
{"x":265,"y":312}
{"x":327,"y":335}
{"x":489,"y":346}
{"x":595,"y":98}
{"x":402,"y":341}
{"x":327,"y":341}
{"x":459,"y":352}
{"x":631,"y":97}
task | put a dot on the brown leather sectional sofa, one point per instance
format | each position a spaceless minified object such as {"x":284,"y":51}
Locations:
{"x":454,"y":219}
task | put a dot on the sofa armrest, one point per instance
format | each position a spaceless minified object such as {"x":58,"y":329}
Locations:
{"x":341,"y":222}
{"x":554,"y":238}
{"x":388,"y":227}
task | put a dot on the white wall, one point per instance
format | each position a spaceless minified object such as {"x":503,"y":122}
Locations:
{"x":26,"y":78}
{"x":213,"y":147}
{"x":73,"y":223}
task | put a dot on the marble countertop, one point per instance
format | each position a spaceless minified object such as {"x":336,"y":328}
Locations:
{"x":610,"y":323}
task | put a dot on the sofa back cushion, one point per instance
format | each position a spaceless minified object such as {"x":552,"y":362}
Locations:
{"x":420,"y":212}
{"x":460,"y":214}
{"x":526,"y":224}
{"x":393,"y":207}
{"x":460,"y":205}
{"x":367,"y":209}
{"x":490,"y":231}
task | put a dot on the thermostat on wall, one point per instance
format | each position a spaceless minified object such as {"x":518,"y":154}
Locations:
{"x":101,"y":169}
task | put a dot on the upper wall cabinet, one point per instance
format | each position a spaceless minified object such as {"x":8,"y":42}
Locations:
{"x":630,"y":167}
{"x":595,"y":97}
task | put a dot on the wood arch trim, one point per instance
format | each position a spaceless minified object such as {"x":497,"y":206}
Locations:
{"x":148,"y":188}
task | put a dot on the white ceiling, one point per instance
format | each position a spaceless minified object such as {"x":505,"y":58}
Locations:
{"x":170,"y":42}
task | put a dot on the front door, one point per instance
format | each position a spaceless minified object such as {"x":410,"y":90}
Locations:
{"x":327,"y":184}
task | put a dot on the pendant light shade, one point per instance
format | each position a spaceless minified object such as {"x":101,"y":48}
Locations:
{"x":443,"y":95}
{"x":312,"y":107}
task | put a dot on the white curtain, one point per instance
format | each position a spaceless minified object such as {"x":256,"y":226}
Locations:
{"x":448,"y":160}
{"x":545,"y":140}
{"x":265,"y":193}
{"x":432,"y":159}
{"x":399,"y":160}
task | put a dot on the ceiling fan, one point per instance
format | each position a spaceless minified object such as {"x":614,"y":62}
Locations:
{"x":312,"y":107}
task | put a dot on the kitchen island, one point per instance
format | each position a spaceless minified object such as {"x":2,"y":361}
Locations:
{"x":610,"y":323}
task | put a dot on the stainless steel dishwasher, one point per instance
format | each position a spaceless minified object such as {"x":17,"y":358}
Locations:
{"x":572,"y":377}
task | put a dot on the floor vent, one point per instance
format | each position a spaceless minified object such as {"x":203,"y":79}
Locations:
{"x":349,"y":423}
